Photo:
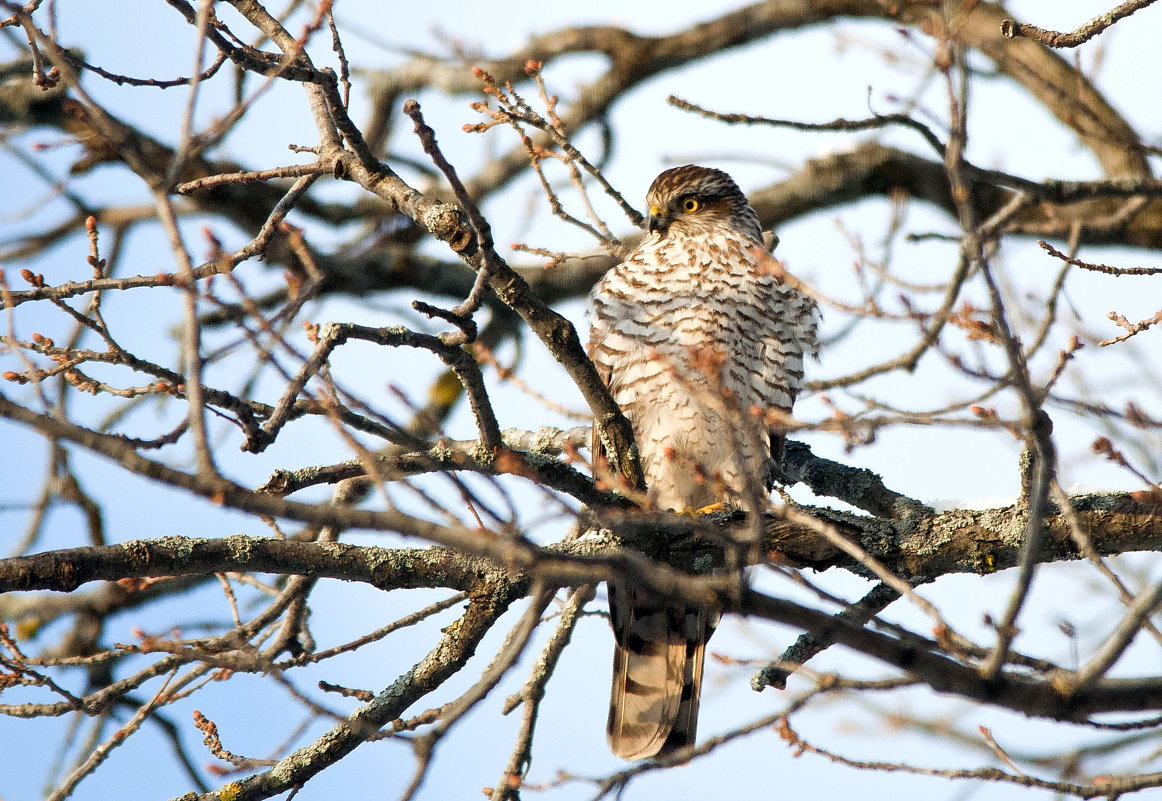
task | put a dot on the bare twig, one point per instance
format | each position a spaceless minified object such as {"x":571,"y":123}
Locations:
{"x":1083,"y":34}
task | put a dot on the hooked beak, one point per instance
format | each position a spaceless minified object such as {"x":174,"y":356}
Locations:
{"x":657,"y":220}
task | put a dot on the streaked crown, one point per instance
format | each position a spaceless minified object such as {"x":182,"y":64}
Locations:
{"x":697,"y":200}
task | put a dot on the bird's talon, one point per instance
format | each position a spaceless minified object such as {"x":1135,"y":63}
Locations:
{"x":710,"y":508}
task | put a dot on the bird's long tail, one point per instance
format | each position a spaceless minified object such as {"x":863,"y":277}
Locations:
{"x":657,"y":673}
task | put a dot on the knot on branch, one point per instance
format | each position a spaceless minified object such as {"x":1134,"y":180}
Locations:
{"x":447,"y":223}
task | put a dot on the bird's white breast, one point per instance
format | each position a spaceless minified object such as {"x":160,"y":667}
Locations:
{"x":694,"y":335}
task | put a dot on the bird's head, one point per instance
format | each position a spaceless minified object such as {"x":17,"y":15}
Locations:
{"x":697,"y":200}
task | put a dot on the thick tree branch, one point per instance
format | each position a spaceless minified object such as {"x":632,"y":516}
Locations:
{"x":920,"y":657}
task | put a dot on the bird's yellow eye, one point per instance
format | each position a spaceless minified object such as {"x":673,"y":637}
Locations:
{"x":690,"y":205}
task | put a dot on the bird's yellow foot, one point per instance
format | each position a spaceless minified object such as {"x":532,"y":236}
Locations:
{"x":710,"y":508}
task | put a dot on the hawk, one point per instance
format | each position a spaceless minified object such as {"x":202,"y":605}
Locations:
{"x":698,"y":338}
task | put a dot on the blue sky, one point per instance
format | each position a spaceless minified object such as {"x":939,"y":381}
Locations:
{"x":812,"y":75}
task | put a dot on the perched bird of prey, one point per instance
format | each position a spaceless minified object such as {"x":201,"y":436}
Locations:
{"x":701,"y":340}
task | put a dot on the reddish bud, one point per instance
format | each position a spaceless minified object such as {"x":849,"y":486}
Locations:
{"x":215,"y":243}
